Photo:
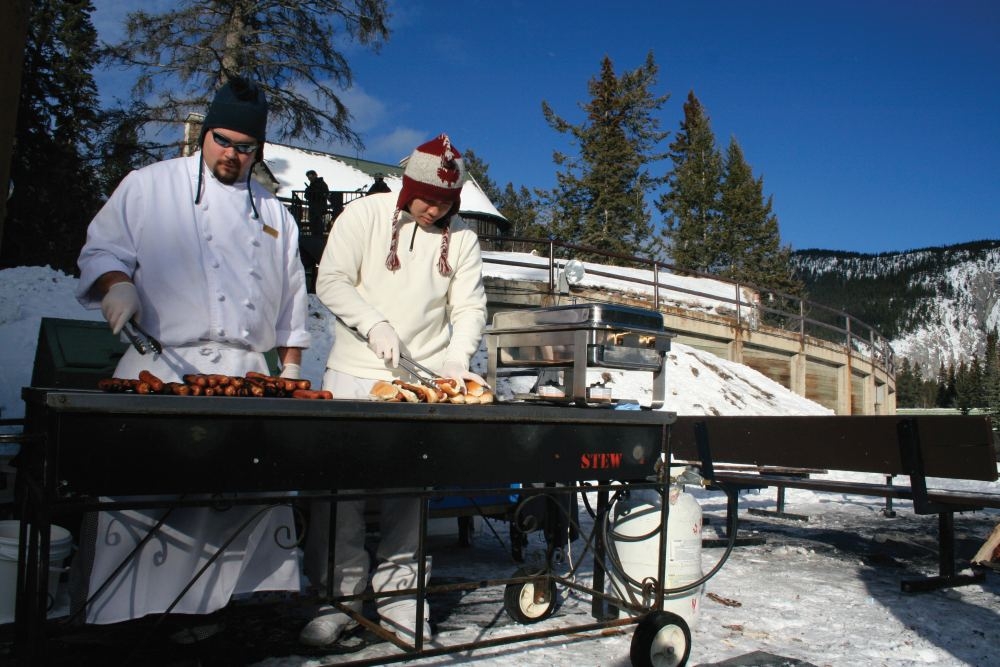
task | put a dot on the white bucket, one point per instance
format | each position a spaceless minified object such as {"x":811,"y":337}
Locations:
{"x":60,"y":547}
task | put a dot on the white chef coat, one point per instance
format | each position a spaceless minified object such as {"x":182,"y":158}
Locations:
{"x":217,"y":288}
{"x":204,"y":272}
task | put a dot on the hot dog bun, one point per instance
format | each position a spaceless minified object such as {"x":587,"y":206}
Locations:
{"x":473,"y":388}
{"x":425,"y":394}
{"x":447,"y":385}
{"x":384,"y":391}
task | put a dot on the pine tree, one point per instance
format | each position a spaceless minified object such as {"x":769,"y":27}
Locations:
{"x":965,"y":387}
{"x":691,"y":205}
{"x":55,"y":187}
{"x":904,"y":385}
{"x":991,"y":375}
{"x":520,"y":208}
{"x":946,"y":386}
{"x":748,"y":241}
{"x":289,"y":47}
{"x":599,"y":198}
{"x":479,"y":170}
{"x":121,"y":147}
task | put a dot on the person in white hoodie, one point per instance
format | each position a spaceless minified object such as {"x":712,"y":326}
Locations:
{"x":400,"y":273}
{"x":206,"y":260}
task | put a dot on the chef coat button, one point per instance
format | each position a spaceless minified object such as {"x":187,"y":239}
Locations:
{"x":215,"y":264}
{"x":221,"y":297}
{"x":208,"y":237}
{"x":220,"y":332}
{"x":245,"y":332}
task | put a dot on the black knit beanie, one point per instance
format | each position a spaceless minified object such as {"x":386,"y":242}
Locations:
{"x":240,"y":106}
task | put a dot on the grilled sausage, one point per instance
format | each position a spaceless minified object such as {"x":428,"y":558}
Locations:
{"x":155,"y":383}
{"x":311,"y":393}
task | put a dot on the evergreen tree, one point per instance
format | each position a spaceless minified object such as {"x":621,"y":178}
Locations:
{"x":907,"y":386}
{"x":748,"y":241}
{"x":479,"y":171}
{"x":691,"y":205}
{"x":289,"y":47}
{"x":946,"y":386}
{"x":55,"y":193}
{"x":120,"y":147}
{"x":520,"y":208}
{"x":599,"y":198}
{"x":965,"y":387}
{"x":991,"y":376}
{"x":928,"y":389}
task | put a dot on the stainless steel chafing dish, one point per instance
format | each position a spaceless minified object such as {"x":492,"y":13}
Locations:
{"x":575,"y":338}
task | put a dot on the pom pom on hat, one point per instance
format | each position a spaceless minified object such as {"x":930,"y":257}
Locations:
{"x":434,"y":171}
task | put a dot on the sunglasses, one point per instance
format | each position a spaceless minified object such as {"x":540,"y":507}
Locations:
{"x":225,"y":142}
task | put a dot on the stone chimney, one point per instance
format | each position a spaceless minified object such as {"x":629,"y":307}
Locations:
{"x":192,"y":130}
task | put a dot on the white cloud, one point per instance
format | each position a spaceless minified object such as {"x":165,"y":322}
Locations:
{"x":367,"y":112}
{"x":395,"y":145}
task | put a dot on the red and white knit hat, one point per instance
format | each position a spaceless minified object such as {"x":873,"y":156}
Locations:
{"x":434,"y":171}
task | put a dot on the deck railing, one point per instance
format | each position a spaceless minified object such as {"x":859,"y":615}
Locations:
{"x":751,"y":305}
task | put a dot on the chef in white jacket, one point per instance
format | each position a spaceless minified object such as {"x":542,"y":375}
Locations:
{"x":401,"y":273}
{"x":206,"y":260}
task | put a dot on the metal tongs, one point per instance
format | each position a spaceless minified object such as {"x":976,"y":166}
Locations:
{"x":141,"y":341}
{"x":424,"y":375}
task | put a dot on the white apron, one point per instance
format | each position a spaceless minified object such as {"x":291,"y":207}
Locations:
{"x":261,"y":557}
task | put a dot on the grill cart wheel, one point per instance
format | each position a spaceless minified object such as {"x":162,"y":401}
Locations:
{"x":661,"y":639}
{"x":526,"y":603}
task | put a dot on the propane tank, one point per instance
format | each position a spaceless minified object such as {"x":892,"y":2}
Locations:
{"x":634,"y":546}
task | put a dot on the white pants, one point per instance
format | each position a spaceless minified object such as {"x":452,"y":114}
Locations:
{"x":261,"y":556}
{"x":399,"y":528}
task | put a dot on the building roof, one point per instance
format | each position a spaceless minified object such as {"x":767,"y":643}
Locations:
{"x":288,"y":165}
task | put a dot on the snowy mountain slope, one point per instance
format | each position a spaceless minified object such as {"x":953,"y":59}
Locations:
{"x":936,"y":304}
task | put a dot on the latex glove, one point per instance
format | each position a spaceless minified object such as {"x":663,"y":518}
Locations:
{"x":384,"y":342}
{"x":120,"y":304}
{"x":291,"y":371}
{"x":457,"y":372}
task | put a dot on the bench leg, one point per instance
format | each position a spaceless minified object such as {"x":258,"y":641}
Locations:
{"x":888,"y":512}
{"x":732,"y":526}
{"x":947,"y":577}
{"x":779,"y":510}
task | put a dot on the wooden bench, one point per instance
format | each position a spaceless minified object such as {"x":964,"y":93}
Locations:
{"x":948,"y":447}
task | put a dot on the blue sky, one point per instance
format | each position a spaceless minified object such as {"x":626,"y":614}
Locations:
{"x":875,"y":124}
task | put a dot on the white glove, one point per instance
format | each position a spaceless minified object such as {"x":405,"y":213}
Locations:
{"x":120,"y":304}
{"x":291,"y":371}
{"x":457,"y":372}
{"x":384,"y":342}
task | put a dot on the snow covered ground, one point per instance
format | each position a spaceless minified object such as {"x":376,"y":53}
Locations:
{"x":822,"y":592}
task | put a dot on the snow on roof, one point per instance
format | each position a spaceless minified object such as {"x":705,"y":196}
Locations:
{"x":289,"y":166}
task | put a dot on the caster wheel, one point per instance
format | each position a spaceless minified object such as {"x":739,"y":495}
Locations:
{"x":525,"y":603}
{"x":661,"y":639}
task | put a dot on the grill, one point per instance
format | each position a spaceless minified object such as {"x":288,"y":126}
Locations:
{"x":569,"y":340}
